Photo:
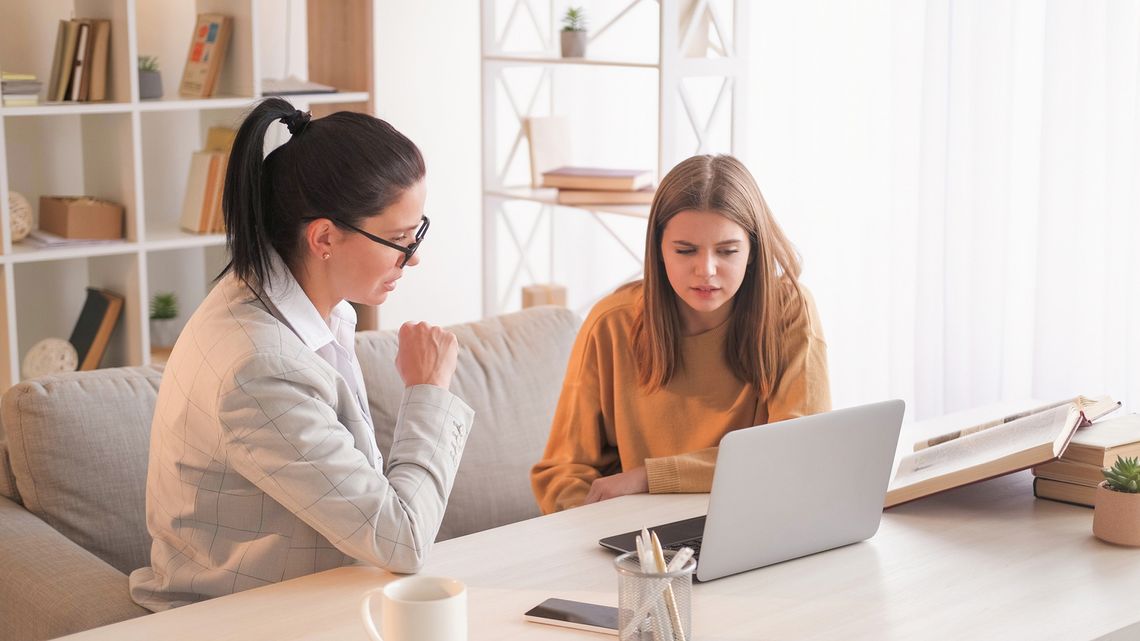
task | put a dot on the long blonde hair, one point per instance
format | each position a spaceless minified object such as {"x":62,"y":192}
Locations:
{"x":752,"y":349}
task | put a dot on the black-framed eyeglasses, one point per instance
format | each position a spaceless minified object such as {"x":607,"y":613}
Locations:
{"x":406,"y":250}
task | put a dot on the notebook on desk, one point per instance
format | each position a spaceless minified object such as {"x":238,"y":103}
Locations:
{"x":789,"y":489}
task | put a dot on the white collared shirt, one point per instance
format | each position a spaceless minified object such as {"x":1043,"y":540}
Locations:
{"x":334,"y":341}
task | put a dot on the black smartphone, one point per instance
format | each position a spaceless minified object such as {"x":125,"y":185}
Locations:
{"x":575,"y":614}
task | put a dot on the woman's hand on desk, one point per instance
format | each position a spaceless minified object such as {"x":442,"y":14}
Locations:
{"x":426,"y":355}
{"x":635,"y":481}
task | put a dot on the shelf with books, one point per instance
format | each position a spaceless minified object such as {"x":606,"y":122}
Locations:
{"x":693,"y":104}
{"x":39,"y":316}
{"x":136,"y":153}
{"x":166,"y":31}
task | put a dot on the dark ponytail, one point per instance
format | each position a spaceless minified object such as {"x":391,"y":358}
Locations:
{"x":346,"y":167}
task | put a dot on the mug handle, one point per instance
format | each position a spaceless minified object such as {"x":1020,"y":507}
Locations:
{"x":366,"y":614}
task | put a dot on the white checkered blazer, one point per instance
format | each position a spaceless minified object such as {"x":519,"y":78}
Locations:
{"x":259,"y":469}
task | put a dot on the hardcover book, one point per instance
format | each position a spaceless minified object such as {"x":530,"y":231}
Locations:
{"x":93,"y":329}
{"x":207,"y":53}
{"x":994,"y":451}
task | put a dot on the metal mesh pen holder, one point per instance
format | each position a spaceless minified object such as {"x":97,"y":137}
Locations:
{"x":654,"y":607}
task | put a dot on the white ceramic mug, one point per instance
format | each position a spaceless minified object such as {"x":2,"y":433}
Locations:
{"x":418,"y":608}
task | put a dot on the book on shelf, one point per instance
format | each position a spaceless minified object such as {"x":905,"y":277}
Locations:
{"x":205,"y":185}
{"x":643,"y":196}
{"x":19,"y":89}
{"x":548,"y":140}
{"x":93,"y":329}
{"x":79,"y":62}
{"x":64,"y":59}
{"x":207,"y":54}
{"x":93,"y":80}
{"x":597,"y":178}
{"x":980,"y":454}
{"x":1074,"y":493}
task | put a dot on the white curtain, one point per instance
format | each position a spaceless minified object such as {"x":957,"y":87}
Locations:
{"x":963,"y":181}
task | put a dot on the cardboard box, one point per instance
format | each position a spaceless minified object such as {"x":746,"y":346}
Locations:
{"x":545,"y":294}
{"x":81,"y":217}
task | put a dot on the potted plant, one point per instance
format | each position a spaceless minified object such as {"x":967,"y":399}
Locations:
{"x":574,"y":33}
{"x":1116,"y":518}
{"x":163,"y":315}
{"x":150,"y":79}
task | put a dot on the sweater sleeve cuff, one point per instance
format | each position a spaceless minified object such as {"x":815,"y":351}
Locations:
{"x":664,"y":477}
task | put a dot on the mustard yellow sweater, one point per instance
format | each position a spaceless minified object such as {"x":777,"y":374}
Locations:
{"x":605,"y":423}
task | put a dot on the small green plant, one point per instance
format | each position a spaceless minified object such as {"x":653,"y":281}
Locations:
{"x":148,"y":63}
{"x":164,"y":306}
{"x":574,"y":20}
{"x":1124,"y":475}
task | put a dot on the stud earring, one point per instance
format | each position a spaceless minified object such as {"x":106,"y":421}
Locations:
{"x":326,"y":255}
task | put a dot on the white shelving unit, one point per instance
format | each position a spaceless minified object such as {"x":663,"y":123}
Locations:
{"x":133,"y":152}
{"x":697,"y":41}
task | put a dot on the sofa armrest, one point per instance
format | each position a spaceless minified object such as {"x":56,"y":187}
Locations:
{"x":51,"y":586}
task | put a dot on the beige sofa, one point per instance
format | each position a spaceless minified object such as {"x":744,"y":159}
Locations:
{"x":73,"y":454}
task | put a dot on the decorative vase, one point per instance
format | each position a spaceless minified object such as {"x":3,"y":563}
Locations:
{"x":50,"y":356}
{"x":1116,"y":518}
{"x":573,"y":44}
{"x":150,"y":85}
{"x":163,"y":332}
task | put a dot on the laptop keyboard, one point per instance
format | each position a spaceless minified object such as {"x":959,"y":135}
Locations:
{"x":695,"y":544}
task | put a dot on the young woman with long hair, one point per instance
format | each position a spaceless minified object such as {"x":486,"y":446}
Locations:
{"x":719,"y":335}
{"x":263,"y":457}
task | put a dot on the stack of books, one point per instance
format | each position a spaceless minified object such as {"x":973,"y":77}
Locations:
{"x":202,"y":203}
{"x":79,"y":67}
{"x":599,"y":186}
{"x":1073,"y":477}
{"x":19,"y":89}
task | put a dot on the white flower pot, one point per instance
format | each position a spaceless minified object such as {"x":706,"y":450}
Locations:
{"x":573,"y":44}
{"x":164,"y":332}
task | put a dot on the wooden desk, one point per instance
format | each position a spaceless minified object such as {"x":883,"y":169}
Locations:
{"x":981,"y":562}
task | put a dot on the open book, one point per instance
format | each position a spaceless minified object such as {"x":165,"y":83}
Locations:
{"x":997,"y":449}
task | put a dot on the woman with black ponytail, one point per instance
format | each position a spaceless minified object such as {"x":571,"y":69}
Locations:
{"x":263,"y":458}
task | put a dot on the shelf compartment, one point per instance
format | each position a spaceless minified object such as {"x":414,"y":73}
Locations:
{"x":189,"y":274}
{"x":39,"y":316}
{"x":72,"y":155}
{"x":165,"y":30}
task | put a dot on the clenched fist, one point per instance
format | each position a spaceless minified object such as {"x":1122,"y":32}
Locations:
{"x":426,"y":355}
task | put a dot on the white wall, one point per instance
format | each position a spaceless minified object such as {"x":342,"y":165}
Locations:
{"x":427,"y":58}
{"x":427,"y":86}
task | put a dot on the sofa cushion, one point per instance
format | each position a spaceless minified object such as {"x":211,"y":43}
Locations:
{"x":510,"y":372}
{"x":7,"y":477}
{"x":78,"y":445}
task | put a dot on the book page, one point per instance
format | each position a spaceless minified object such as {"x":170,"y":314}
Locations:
{"x":987,"y":445}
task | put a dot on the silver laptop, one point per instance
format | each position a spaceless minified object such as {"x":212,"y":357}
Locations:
{"x":789,"y":489}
